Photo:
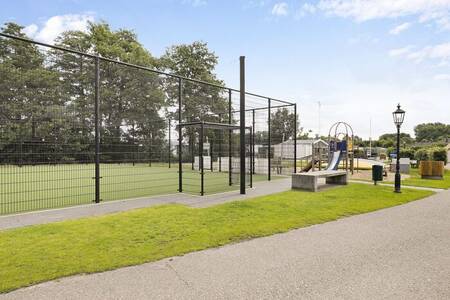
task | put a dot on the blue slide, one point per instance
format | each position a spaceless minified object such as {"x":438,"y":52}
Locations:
{"x":335,"y":160}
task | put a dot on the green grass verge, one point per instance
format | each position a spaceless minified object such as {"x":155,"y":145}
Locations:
{"x":40,"y":253}
{"x":416,"y":180}
{"x":49,"y":186}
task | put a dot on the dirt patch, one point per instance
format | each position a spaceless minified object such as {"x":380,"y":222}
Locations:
{"x":367,"y":175}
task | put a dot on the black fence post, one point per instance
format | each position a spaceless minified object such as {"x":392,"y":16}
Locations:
{"x":191,"y":147}
{"x":201,"y":160}
{"x":180,"y":138}
{"x":150,"y":153}
{"x":219,"y":158}
{"x":295,"y":138}
{"x":253,"y":142}
{"x":269,"y":142}
{"x":97,"y":129}
{"x":211,"y":155}
{"x":170,"y":146}
{"x":230,"y":180}
{"x":252,"y":155}
{"x":242,"y":123}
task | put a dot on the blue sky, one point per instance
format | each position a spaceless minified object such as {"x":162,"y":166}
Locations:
{"x":358,"y":58}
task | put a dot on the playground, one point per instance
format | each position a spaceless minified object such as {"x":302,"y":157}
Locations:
{"x":116,"y":164}
{"x":323,"y":160}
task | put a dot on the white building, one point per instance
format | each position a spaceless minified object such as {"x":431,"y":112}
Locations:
{"x":304,"y":148}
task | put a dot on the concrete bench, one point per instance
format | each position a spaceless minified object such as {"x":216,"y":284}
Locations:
{"x":308,"y":181}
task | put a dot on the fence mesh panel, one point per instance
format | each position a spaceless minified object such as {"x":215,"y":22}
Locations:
{"x":48,"y":154}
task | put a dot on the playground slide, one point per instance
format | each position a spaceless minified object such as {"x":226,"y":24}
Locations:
{"x":335,"y":160}
{"x":309,"y":166}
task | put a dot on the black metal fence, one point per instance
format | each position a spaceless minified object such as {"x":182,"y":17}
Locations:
{"x":78,"y":128}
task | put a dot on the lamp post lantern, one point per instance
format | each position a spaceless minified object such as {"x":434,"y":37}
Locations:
{"x":399,"y":116}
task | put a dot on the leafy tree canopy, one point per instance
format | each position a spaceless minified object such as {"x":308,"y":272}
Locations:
{"x":432,"y":132}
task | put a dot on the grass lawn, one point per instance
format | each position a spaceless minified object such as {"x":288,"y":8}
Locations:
{"x":415,"y":180}
{"x":49,"y":186}
{"x":40,"y":253}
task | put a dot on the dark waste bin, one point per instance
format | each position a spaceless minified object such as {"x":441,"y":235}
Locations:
{"x":377,"y":173}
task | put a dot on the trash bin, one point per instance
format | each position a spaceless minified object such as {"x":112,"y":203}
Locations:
{"x":377,"y":173}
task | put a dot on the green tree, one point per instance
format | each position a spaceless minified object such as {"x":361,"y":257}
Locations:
{"x":432,"y":132}
{"x":200,"y":101}
{"x":195,"y":61}
{"x":28,"y":91}
{"x":282,"y":125}
{"x":132,"y":100}
{"x":390,"y":140}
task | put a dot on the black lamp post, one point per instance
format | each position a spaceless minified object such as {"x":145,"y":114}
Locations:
{"x":399,"y":116}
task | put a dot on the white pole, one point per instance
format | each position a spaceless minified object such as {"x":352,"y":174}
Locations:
{"x":370,"y":137}
{"x":318,"y":102}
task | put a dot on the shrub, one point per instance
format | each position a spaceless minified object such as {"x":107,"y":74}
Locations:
{"x":407,"y":152}
{"x":439,"y":153}
{"x":432,"y":153}
{"x":422,"y":154}
{"x":359,"y":153}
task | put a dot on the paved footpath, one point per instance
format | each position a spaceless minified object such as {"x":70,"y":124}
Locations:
{"x":396,"y":253}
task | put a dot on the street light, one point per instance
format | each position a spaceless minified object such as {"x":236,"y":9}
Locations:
{"x":399,"y":116}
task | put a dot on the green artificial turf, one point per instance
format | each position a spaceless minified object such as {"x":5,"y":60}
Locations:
{"x":40,"y":253}
{"x":49,"y":186}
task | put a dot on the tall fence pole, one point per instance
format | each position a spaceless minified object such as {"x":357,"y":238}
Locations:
{"x":269,"y":141}
{"x":180,"y":138}
{"x":230,"y":181}
{"x":211,"y":154}
{"x":200,"y":150}
{"x":252,"y":155}
{"x":219,"y":159}
{"x":97,"y":129}
{"x":242,"y":123}
{"x":295,"y":138}
{"x":253,"y":142}
{"x":170,"y":146}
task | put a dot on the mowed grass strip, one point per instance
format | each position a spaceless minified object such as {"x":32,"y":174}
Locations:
{"x":416,"y":180}
{"x":40,"y":253}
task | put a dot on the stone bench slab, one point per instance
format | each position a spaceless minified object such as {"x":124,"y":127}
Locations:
{"x":309,"y":181}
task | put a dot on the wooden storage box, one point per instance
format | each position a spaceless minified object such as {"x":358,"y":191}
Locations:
{"x":431,"y":169}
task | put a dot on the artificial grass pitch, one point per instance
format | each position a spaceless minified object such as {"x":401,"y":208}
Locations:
{"x":38,"y":187}
{"x":40,"y":253}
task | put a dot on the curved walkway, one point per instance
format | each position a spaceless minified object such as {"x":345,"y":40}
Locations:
{"x":400,"y":252}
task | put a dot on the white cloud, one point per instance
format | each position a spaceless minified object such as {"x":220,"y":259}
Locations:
{"x":363,"y":39}
{"x":306,"y":9}
{"x":375,"y":9}
{"x":439,"y":52}
{"x":31,"y":30}
{"x":280,"y":9}
{"x":400,"y":28}
{"x":437,"y":11}
{"x":401,"y":51}
{"x":255,"y":3}
{"x":309,"y":8}
{"x":55,"y":25}
{"x":442,"y":77}
{"x":195,"y":3}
